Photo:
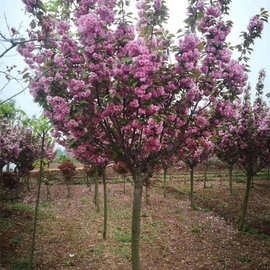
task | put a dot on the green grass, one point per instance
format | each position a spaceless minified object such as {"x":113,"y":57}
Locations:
{"x":21,"y":264}
{"x":122,"y":237}
{"x":243,"y":259}
{"x":21,"y":207}
{"x":17,"y":241}
{"x":260,"y":236}
{"x":121,"y":251}
{"x":45,"y":204}
{"x":84,"y":200}
{"x":196,"y":229}
{"x":120,"y":213}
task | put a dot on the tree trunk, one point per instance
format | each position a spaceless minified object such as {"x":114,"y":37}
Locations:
{"x":124,"y":179}
{"x":205,"y":176}
{"x":105,"y":205}
{"x":68,"y":190}
{"x":230,"y":178}
{"x":37,"y":202}
{"x":192,"y":187}
{"x":245,"y":202}
{"x":164,"y":181}
{"x":88,"y":182}
{"x":252,"y":182}
{"x":28,"y":183}
{"x":136,"y":220}
{"x":96,"y":198}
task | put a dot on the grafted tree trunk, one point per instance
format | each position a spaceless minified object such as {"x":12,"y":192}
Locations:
{"x":136,"y":221}
{"x":37,"y":202}
{"x":245,"y":202}
{"x":88,"y":182}
{"x":96,"y":197}
{"x":105,"y":205}
{"x":48,"y":192}
{"x":192,"y":187}
{"x":124,"y":179}
{"x":68,"y":188}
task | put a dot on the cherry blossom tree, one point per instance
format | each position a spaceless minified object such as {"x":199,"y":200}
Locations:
{"x":246,"y":138}
{"x":225,"y":146}
{"x":112,"y":90}
{"x":196,"y":150}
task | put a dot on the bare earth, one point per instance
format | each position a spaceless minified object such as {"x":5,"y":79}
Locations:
{"x":173,"y":236}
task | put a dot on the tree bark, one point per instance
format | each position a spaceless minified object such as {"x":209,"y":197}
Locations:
{"x":230,"y":178}
{"x":205,"y":176}
{"x":88,"y":182}
{"x":136,"y":220}
{"x":68,"y":190}
{"x":192,"y":187}
{"x":96,"y":198}
{"x":105,"y":205}
{"x":164,"y":181}
{"x":124,"y":179}
{"x":245,"y":202}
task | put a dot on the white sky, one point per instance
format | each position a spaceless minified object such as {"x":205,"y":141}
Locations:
{"x":241,"y":11}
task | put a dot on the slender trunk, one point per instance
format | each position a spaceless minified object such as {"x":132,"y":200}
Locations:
{"x":268,"y":174}
{"x":205,"y":176}
{"x":136,"y":220}
{"x":164,"y":181}
{"x":230,"y":178}
{"x":147,"y":192}
{"x":192,"y":187}
{"x":68,"y":190}
{"x":88,"y":182}
{"x":245,"y":202}
{"x":96,"y":198}
{"x":37,"y":202}
{"x":28,"y":183}
{"x":124,"y":179}
{"x":105,"y":205}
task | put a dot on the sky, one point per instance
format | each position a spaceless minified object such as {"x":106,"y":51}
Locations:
{"x":241,"y":12}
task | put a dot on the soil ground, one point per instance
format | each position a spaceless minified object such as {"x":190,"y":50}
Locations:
{"x":173,"y":236}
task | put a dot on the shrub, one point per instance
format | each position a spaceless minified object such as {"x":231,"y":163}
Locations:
{"x":68,"y":170}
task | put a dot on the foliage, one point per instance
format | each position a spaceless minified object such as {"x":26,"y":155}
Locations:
{"x":68,"y":170}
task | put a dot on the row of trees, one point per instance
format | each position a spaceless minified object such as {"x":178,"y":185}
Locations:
{"x":20,"y":141}
{"x":114,"y":93}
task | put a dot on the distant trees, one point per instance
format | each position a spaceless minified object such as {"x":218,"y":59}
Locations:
{"x":245,"y":139}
